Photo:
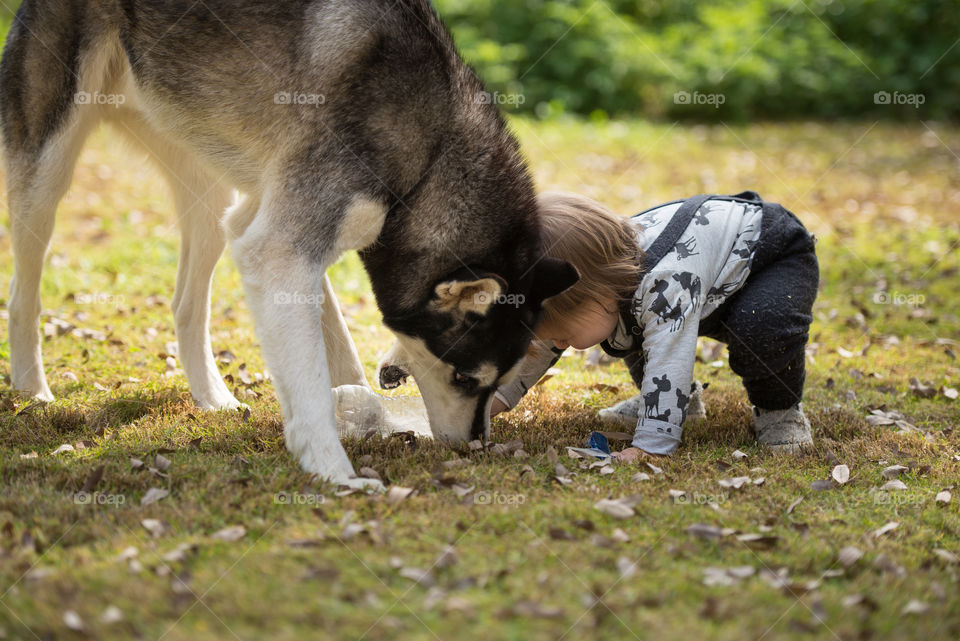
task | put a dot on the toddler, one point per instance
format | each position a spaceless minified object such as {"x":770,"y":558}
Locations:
{"x":733,"y":268}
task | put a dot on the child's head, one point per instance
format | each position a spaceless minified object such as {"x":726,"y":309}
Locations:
{"x":603,"y":248}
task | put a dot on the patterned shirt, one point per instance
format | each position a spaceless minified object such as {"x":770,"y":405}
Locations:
{"x":709,"y":263}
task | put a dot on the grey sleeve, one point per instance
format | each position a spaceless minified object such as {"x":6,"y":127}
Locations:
{"x":534,"y":365}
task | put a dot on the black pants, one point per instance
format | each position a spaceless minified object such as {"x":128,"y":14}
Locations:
{"x":766,"y":324}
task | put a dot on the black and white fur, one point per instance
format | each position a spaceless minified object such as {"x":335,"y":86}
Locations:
{"x":397,"y":155}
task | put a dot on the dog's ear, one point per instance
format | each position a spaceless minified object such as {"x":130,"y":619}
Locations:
{"x":552,"y":276}
{"x":462,"y":296}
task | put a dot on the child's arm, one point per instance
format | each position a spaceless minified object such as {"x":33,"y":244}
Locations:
{"x":670,"y":348}
{"x":534,"y":365}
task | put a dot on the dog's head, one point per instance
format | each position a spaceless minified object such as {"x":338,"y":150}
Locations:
{"x":468,"y":341}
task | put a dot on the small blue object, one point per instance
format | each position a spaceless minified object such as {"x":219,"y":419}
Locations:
{"x":598,"y":441}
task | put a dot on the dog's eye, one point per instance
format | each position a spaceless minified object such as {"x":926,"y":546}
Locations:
{"x":463,"y":380}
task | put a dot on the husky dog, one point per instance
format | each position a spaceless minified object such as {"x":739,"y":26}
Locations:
{"x":345,"y":124}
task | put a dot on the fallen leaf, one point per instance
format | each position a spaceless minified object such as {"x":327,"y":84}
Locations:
{"x":153,"y":495}
{"x":947,"y":556}
{"x":73,"y":621}
{"x":705,"y":531}
{"x":369,"y":473}
{"x":736,"y":483}
{"x":396,"y":494}
{"x":161,"y":462}
{"x":893,"y":485}
{"x":617,"y":508}
{"x":894,"y":471}
{"x":759,"y":541}
{"x":915,"y":606}
{"x":889,"y":527}
{"x":794,"y":504}
{"x":627,"y":455}
{"x":418,"y":576}
{"x":849,"y":555}
{"x":841,"y":474}
{"x":232,"y":533}
{"x":154,"y":526}
{"x":111,"y":615}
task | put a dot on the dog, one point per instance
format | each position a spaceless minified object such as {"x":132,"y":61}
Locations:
{"x":345,"y":125}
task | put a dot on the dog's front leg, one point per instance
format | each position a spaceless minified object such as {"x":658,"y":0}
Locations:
{"x":285,"y":292}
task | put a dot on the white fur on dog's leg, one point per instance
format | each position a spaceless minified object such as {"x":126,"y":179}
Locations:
{"x":35,"y":184}
{"x":285,"y":294}
{"x":342,"y":355}
{"x":201,"y":200}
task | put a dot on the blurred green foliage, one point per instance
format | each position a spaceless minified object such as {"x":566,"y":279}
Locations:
{"x":735,"y":59}
{"x":771,"y":59}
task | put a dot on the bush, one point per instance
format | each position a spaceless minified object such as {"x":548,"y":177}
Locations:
{"x":733,"y":59}
{"x":726,"y":59}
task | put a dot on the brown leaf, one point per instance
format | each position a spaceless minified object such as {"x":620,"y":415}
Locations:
{"x":93,"y":480}
{"x":396,"y":494}
{"x":369,"y":473}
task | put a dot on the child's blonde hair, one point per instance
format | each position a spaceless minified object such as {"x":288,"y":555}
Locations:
{"x":601,"y":245}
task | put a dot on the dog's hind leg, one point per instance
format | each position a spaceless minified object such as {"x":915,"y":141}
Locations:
{"x":342,"y":356}
{"x":36,"y":181}
{"x":201,"y":200}
{"x":286,"y":292}
{"x":201,"y":203}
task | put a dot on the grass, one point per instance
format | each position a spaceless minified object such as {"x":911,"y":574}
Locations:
{"x":539,"y":562}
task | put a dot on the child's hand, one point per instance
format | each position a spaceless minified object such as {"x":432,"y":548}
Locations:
{"x":634,"y":454}
{"x":496,"y":407}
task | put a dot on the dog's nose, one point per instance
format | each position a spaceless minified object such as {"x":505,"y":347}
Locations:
{"x":392,"y":376}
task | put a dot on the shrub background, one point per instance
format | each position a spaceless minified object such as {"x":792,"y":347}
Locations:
{"x":771,"y":59}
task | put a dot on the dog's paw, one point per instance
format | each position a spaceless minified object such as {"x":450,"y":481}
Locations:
{"x":216,"y":404}
{"x":392,"y":376}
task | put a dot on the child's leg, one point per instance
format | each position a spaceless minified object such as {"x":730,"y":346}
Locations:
{"x":766,"y":326}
